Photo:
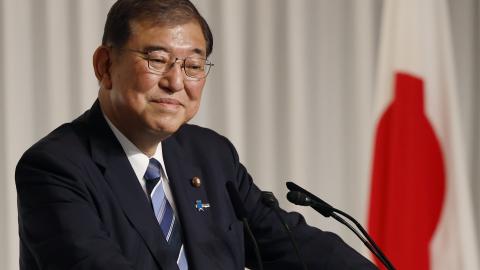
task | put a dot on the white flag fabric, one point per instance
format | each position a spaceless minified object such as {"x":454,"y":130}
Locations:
{"x":420,"y":207}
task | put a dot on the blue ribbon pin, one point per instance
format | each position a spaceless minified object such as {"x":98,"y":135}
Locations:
{"x":200,"y":206}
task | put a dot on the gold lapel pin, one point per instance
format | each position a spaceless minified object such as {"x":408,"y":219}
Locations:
{"x":196,"y":182}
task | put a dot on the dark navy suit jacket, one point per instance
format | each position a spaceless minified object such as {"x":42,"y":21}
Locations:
{"x":81,"y":207}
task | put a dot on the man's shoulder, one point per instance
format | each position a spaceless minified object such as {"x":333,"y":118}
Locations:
{"x":202,"y":139}
{"x":62,"y":138}
{"x":196,"y":131}
{"x":67,"y":140}
{"x":194,"y":134}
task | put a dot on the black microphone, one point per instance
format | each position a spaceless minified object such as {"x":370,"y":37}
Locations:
{"x":241,"y":214}
{"x":326,"y":209}
{"x":269,"y":199}
{"x":300,"y":196}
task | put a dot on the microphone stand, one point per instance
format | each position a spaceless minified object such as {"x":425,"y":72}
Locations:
{"x":327,"y":210}
{"x":368,"y":242}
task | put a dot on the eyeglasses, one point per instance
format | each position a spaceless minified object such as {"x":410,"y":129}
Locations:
{"x":160,"y":62}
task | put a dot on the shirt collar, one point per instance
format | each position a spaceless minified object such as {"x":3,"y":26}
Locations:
{"x":137,"y":158}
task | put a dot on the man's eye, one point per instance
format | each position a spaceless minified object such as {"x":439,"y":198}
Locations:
{"x":158,"y":60}
{"x":195,"y":67}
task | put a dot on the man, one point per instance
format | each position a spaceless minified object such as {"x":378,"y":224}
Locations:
{"x":130,"y":185}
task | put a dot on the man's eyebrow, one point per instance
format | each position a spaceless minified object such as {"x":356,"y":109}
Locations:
{"x":153,"y":48}
{"x":198,"y":51}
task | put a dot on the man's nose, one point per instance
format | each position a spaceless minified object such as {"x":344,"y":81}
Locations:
{"x":175,"y":77}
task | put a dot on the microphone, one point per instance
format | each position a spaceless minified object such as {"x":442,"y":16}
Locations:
{"x":326,"y":209}
{"x":241,"y":214}
{"x":269,"y":199}
{"x":300,"y":196}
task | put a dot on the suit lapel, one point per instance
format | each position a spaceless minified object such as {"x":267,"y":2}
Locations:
{"x":108,"y":154}
{"x":181,"y":170}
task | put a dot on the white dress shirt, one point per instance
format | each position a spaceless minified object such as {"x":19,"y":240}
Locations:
{"x":139,"y":162}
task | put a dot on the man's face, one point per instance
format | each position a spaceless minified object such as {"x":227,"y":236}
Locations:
{"x":144,"y":104}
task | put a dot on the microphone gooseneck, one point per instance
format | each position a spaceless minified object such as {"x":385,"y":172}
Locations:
{"x":269,"y":199}
{"x":300,"y":196}
{"x":241,"y":214}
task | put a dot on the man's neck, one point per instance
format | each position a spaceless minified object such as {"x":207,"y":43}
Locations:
{"x":146,"y":142}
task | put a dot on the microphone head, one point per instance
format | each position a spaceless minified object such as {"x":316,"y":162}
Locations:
{"x":269,"y":199}
{"x":293,"y":187}
{"x":237,"y":203}
{"x":298,"y":198}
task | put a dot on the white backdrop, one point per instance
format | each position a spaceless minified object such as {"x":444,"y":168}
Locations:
{"x":292,"y":87}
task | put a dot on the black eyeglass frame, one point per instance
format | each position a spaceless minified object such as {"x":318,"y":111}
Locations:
{"x":146,"y":56}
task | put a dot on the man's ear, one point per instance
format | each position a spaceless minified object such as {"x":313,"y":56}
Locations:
{"x":101,"y":64}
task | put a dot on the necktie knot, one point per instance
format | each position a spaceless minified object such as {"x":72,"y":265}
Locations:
{"x":153,"y":170}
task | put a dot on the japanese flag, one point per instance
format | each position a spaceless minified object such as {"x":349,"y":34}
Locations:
{"x":420,"y":206}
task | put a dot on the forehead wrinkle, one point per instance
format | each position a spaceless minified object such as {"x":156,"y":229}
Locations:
{"x":178,"y":34}
{"x":153,"y":48}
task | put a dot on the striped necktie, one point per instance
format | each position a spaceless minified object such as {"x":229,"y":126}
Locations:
{"x":164,"y":212}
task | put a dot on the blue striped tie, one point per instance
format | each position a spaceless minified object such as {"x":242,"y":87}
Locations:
{"x":164,"y":212}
